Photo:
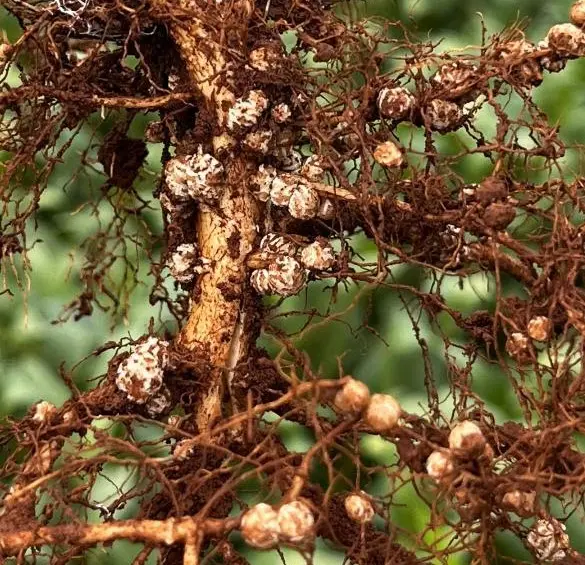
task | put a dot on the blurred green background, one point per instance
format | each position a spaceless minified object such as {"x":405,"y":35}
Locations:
{"x":388,"y":358}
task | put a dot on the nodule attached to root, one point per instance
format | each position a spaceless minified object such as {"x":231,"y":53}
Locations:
{"x":389,"y":154}
{"x":467,"y":437}
{"x":141,"y":374}
{"x":548,"y":540}
{"x":518,"y":346}
{"x":521,"y":502}
{"x":281,"y":190}
{"x":260,"y":526}
{"x":258,"y":141}
{"x":440,"y":465}
{"x":296,"y":523}
{"x":577,"y":13}
{"x":43,"y":411}
{"x":197,"y":177}
{"x":395,"y":103}
{"x":359,"y":508}
{"x":443,"y":115}
{"x":353,"y":398}
{"x":383,"y":413}
{"x":264,"y":527}
{"x":318,"y":256}
{"x":284,"y":276}
{"x":267,"y":57}
{"x":281,"y":113}
{"x":303,"y":203}
{"x":566,"y":39}
{"x":182,"y":262}
{"x":247,"y":110}
{"x":539,"y":328}
{"x":279,"y":244}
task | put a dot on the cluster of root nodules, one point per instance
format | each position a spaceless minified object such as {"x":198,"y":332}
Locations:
{"x":343,"y":133}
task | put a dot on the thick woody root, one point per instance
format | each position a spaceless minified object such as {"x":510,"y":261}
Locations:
{"x":217,"y":326}
{"x":161,"y":532}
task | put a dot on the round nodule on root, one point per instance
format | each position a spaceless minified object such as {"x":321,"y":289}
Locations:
{"x":296,"y":522}
{"x":276,"y":243}
{"x":499,"y":215}
{"x":159,"y":403}
{"x":453,"y":75}
{"x":303,"y":203}
{"x":198,"y":176}
{"x":491,"y":189}
{"x":443,"y":115}
{"x":389,"y":154}
{"x":566,"y":39}
{"x":281,"y":113}
{"x":467,"y":436}
{"x":577,"y":13}
{"x":286,"y":276}
{"x":383,"y":412}
{"x":517,"y":345}
{"x":517,"y":62}
{"x":141,"y":374}
{"x":539,"y":328}
{"x":313,"y":168}
{"x":318,"y":256}
{"x":258,"y":141}
{"x":260,"y":526}
{"x":395,"y":103}
{"x":548,"y":540}
{"x":520,"y":502}
{"x":182,"y":262}
{"x":281,"y":191}
{"x":266,"y":57}
{"x":183,"y":450}
{"x":260,"y":281}
{"x":43,"y":411}
{"x":247,"y":110}
{"x":262,"y":182}
{"x":359,"y":508}
{"x":353,"y":398}
{"x":440,"y":465}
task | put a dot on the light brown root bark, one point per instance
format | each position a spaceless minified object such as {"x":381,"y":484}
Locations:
{"x":226,"y":231}
{"x":188,"y":530}
{"x":217,"y":322}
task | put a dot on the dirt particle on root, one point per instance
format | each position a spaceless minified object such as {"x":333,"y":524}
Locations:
{"x":230,"y":290}
{"x":491,"y":189}
{"x":260,"y":378}
{"x":499,"y":215}
{"x":233,"y":244}
{"x":122,"y":158}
